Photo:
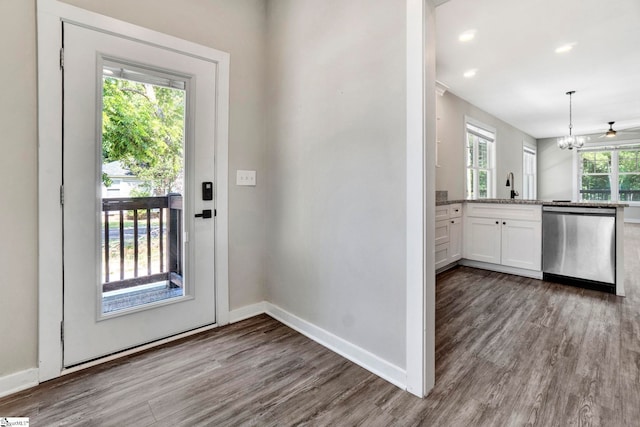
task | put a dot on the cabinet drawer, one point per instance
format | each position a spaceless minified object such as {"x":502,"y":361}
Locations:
{"x":442,"y":231}
{"x":442,"y":255}
{"x":504,"y":211}
{"x":442,"y":212}
{"x":455,"y":210}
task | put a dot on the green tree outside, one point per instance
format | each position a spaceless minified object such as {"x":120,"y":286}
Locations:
{"x":143,"y":128}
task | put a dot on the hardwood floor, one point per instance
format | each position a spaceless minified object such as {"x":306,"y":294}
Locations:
{"x":511,"y":351}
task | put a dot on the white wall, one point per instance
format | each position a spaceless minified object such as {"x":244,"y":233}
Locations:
{"x":18,"y":174}
{"x":336,"y":163}
{"x":450,"y":175}
{"x":237,"y":27}
{"x":555,"y":171}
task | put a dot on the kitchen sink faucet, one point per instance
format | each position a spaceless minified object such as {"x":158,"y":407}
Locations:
{"x":511,"y":184}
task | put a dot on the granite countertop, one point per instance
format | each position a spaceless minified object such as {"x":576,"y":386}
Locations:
{"x":538,"y":202}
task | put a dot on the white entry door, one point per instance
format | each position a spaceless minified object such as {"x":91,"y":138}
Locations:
{"x":138,"y":194}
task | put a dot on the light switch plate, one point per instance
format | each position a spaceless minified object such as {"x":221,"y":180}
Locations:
{"x":247,"y":178}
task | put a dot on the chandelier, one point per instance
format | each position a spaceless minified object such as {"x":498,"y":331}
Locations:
{"x":570,"y":141}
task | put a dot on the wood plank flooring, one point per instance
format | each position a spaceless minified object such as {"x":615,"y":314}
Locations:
{"x":511,"y":351}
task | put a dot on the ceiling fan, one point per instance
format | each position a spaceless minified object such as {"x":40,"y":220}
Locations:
{"x":611,"y":132}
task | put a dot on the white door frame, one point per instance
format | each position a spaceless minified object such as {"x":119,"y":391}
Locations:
{"x":50,"y":15}
{"x":420,"y":210}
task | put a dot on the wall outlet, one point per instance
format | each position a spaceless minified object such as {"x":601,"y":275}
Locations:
{"x":247,"y":178}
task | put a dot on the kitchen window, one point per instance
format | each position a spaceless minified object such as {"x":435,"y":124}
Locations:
{"x":480,"y":160}
{"x":610,"y":174}
{"x":529,"y":167}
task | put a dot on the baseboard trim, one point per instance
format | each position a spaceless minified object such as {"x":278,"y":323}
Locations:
{"x":247,"y":312}
{"x":502,"y":269}
{"x":632,"y":220}
{"x":369,"y":361}
{"x":18,"y":381}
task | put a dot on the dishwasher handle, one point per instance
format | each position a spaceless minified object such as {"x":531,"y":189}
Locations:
{"x":579,"y":210}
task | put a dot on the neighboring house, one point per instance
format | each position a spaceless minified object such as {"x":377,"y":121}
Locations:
{"x":122,"y":180}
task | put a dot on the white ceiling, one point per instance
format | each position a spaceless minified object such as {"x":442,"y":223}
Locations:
{"x":520,"y":78}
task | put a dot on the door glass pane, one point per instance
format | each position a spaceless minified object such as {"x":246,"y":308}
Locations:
{"x":143,"y":125}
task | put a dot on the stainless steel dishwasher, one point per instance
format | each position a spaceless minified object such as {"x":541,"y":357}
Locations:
{"x":579,"y":246}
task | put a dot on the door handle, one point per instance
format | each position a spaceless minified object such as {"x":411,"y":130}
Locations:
{"x":205,"y":214}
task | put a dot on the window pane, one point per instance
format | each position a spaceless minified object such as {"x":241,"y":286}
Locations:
{"x":483,"y":184}
{"x":470,"y":144}
{"x":529,"y":174}
{"x":479,"y":148}
{"x":596,"y":187}
{"x":629,"y":187}
{"x":483,"y":154}
{"x":470,"y":184}
{"x":603,"y":162}
{"x":629,"y":161}
{"x":596,"y":162}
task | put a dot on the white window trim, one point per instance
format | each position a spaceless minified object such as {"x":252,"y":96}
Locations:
{"x":602,"y":146}
{"x":493,"y":155}
{"x":534,"y":151}
{"x":50,"y":14}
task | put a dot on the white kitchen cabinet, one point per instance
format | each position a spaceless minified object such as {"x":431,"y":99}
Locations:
{"x":455,"y":239}
{"x":448,"y":248}
{"x":442,"y":255}
{"x":504,"y":234}
{"x":482,"y":240}
{"x":442,"y":231}
{"x":522,"y":244}
{"x":442,"y":212}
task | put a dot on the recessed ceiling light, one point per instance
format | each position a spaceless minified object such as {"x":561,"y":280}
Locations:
{"x":470,"y":73}
{"x":467,"y":36}
{"x":565,"y":48}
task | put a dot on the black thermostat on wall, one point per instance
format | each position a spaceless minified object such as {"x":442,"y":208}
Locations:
{"x":207,"y":191}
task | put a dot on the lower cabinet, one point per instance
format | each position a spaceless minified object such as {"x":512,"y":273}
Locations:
{"x":513,"y":239}
{"x":504,"y":234}
{"x":522,"y":244}
{"x":483,"y":240}
{"x":448,"y":235}
{"x":455,"y":239}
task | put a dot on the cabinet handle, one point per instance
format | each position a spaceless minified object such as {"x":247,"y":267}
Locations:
{"x":497,"y":222}
{"x":504,"y":223}
{"x":452,"y":222}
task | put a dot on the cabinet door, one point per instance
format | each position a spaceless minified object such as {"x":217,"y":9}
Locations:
{"x":455,"y":239}
{"x":522,"y":244}
{"x":482,"y":239}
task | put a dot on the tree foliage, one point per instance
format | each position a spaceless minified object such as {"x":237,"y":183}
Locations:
{"x":598,"y":175}
{"x":143,"y":128}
